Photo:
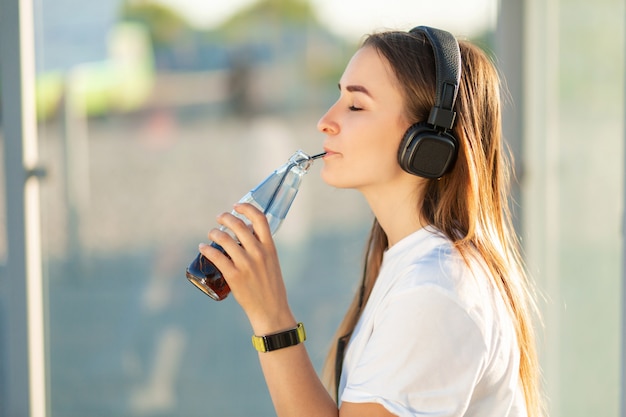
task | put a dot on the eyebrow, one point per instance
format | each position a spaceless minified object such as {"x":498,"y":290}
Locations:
{"x":357,"y":88}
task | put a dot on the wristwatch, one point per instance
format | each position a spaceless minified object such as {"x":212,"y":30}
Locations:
{"x":280,"y":340}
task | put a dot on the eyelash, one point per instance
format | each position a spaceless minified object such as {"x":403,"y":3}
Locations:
{"x":354,"y":108}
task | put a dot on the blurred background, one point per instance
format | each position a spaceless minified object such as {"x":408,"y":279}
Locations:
{"x":153,"y":116}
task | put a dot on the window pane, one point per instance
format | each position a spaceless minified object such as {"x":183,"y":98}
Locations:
{"x":574,"y":172}
{"x":3,"y":224}
{"x":150,"y":128}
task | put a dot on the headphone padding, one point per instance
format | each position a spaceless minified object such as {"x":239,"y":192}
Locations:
{"x":427,"y":152}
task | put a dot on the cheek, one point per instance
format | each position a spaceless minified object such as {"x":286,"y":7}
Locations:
{"x":378,"y":148}
{"x":373,"y":153}
{"x":369,"y":156}
{"x":384,"y":150}
{"x":363,"y":166}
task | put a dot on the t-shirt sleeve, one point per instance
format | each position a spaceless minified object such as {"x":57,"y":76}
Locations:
{"x":423,"y":357}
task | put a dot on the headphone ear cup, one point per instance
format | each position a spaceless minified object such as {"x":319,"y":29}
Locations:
{"x":426,"y":152}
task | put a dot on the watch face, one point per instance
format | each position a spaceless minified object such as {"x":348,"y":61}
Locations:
{"x":282,"y":340}
{"x":279,"y":340}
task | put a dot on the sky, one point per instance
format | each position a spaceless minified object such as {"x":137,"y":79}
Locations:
{"x":354,"y":18}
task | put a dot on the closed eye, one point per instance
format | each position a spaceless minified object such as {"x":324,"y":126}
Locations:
{"x":354,"y":108}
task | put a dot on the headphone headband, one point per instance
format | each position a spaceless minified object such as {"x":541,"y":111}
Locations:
{"x":448,"y":72}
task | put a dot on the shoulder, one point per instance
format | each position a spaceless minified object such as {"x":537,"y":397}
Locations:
{"x":429,"y":259}
{"x":431,"y":273}
{"x":432,"y":333}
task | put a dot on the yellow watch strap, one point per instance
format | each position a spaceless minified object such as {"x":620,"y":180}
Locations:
{"x":280,"y":340}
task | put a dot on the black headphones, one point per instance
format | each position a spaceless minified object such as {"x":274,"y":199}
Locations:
{"x":429,"y":149}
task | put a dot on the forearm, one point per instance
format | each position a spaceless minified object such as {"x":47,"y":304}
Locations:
{"x":293,"y":384}
{"x":253,"y":273}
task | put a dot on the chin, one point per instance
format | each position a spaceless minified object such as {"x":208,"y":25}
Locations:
{"x":334,"y":181}
{"x":344,"y":178}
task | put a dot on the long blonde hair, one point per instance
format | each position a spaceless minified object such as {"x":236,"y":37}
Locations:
{"x":470,"y":203}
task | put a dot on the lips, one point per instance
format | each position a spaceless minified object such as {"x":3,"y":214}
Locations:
{"x":329,"y":153}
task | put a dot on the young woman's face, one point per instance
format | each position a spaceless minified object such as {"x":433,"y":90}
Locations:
{"x":364,"y":127}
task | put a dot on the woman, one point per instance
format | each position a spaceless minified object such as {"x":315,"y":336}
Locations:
{"x":441,"y":325}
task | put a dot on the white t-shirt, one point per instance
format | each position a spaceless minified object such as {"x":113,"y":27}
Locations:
{"x":434,"y":339}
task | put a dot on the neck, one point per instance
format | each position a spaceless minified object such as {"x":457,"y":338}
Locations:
{"x":398,"y":209}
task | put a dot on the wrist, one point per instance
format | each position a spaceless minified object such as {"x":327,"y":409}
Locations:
{"x":271,"y":325}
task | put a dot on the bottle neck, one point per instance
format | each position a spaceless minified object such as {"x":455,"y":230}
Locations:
{"x":301,"y":161}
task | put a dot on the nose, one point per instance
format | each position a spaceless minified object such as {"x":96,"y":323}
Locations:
{"x":327,"y":124}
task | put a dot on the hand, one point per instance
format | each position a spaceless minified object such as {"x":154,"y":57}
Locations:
{"x":252,"y":269}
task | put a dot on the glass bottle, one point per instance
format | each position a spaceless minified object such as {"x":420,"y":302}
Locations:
{"x":273,"y":196}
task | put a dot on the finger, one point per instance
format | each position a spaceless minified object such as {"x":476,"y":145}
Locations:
{"x":239,"y":228}
{"x":257,"y":219}
{"x":225,"y":240}
{"x":218,"y":258}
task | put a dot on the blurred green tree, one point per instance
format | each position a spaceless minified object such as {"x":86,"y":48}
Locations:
{"x":164,"y":25}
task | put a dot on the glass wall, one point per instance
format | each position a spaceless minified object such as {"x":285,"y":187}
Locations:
{"x":150,"y":126}
{"x":572,"y":178}
{"x":3,"y":234}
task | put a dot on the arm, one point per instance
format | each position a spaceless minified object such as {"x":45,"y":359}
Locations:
{"x":254,"y":276}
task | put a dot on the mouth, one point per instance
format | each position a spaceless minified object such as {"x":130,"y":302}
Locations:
{"x":329,"y":153}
